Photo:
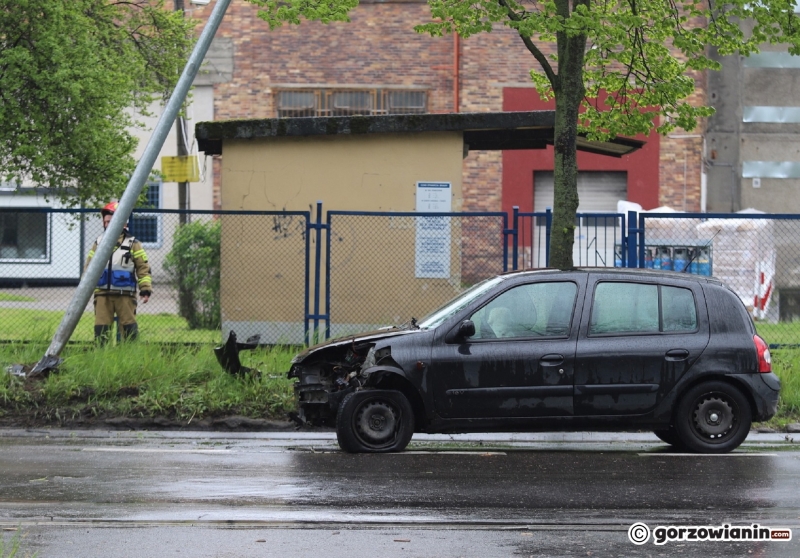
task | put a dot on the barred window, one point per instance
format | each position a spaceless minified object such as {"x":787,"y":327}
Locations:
{"x":349,"y":102}
{"x":147,"y":227}
{"x":407,"y":102}
{"x":344,"y":103}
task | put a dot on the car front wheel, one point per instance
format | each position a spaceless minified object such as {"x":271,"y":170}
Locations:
{"x":713,"y":417}
{"x":374,"y":421}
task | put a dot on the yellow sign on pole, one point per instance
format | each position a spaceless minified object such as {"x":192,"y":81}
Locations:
{"x":180,"y":169}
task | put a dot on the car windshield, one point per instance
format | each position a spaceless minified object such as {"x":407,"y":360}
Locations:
{"x":458,"y":303}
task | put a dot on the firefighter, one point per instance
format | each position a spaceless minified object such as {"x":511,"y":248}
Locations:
{"x":127,"y":270}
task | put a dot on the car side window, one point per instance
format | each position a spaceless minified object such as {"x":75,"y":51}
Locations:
{"x":533,"y":310}
{"x":678,"y":309}
{"x":624,"y":307}
{"x":634,"y":308}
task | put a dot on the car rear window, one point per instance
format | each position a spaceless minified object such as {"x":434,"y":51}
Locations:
{"x":641,"y":308}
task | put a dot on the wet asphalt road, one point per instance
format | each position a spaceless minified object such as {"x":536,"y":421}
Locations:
{"x":94,"y":493}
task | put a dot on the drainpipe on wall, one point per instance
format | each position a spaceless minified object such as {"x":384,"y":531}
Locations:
{"x":456,"y":68}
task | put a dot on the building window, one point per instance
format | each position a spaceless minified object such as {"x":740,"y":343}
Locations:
{"x":23,"y":236}
{"x":147,"y":227}
{"x":349,"y":102}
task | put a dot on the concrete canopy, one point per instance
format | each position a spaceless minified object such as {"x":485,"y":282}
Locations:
{"x":483,"y":131}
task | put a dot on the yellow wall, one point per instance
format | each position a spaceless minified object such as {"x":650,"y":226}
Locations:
{"x":371,"y":255}
{"x":359,"y":173}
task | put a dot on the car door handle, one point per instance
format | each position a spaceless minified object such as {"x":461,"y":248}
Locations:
{"x":552,"y":359}
{"x":677,"y":354}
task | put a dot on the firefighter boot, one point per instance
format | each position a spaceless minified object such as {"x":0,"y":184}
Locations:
{"x":130,"y":332}
{"x":102,"y":334}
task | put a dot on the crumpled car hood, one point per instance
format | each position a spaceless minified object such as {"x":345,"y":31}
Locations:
{"x":368,"y":336}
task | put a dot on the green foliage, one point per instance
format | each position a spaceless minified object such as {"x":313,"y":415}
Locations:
{"x":278,"y":12}
{"x":6,"y":297}
{"x":69,"y":74}
{"x":148,"y":380}
{"x":786,"y":365}
{"x":194,"y":266}
{"x":39,"y":326}
{"x":639,"y":56}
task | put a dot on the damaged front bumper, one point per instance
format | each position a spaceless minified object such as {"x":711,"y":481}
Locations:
{"x":323,"y":382}
{"x":317,"y":405}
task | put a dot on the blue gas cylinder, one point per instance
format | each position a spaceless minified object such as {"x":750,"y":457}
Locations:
{"x":704,"y":262}
{"x":648,"y":258}
{"x":664,"y":257}
{"x":680,"y":259}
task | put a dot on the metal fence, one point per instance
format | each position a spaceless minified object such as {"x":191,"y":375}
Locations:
{"x":757,"y":255}
{"x":294,"y":280}
{"x":599,"y":239}
{"x":259,"y":273}
{"x":385,"y":268}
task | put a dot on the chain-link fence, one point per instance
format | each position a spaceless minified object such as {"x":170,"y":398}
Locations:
{"x":756,"y":255}
{"x":385,"y":268}
{"x":211,"y":272}
{"x":290,"y":280}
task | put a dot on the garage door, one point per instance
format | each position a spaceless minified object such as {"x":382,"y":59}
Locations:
{"x":597,"y":191}
{"x":596,"y":239}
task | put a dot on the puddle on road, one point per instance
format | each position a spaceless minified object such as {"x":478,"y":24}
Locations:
{"x":158,"y":450}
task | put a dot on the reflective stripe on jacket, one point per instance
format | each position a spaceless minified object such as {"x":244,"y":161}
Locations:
{"x":128,"y":262}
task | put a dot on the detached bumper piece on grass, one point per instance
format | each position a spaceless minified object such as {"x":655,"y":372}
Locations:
{"x":228,"y":354}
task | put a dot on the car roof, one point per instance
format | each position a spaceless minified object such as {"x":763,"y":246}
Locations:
{"x":611,"y":271}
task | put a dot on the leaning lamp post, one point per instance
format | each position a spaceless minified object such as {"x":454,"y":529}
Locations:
{"x":137,"y":181}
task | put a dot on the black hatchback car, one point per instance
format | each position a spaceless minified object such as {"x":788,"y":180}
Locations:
{"x":584,"y":349}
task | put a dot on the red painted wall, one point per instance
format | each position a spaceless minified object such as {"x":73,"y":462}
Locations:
{"x":519,"y":165}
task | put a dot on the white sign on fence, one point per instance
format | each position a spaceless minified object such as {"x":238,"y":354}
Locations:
{"x":433,"y":233}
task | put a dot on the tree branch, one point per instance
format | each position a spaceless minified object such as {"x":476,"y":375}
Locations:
{"x":537,"y":54}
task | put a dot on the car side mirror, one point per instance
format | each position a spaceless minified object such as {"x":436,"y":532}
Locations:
{"x":464,"y":330}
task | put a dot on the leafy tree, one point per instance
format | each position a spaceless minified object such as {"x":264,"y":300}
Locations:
{"x":194,"y":267}
{"x":73,"y":75}
{"x":628,"y":63}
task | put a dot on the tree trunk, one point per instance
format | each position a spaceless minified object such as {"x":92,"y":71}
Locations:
{"x":569,"y":92}
{"x":565,"y":177}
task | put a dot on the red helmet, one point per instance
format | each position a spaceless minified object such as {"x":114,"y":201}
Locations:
{"x":109,"y":208}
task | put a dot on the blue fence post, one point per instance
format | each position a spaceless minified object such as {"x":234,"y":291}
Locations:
{"x":327,"y":276}
{"x":514,"y":232}
{"x":548,"y":226}
{"x":631,"y":240}
{"x":316,"y":316}
{"x":642,"y":262}
{"x":309,"y":226}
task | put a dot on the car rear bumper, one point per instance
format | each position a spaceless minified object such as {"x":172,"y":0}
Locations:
{"x":764,"y":389}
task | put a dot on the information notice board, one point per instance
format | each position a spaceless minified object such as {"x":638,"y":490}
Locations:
{"x":432,"y":254}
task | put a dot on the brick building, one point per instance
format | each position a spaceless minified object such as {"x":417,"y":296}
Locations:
{"x":377,"y":63}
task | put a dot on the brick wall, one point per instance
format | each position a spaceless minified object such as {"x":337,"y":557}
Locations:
{"x":380,"y":48}
{"x":681,"y":159}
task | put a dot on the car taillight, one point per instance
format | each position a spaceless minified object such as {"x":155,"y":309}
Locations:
{"x":764,"y":358}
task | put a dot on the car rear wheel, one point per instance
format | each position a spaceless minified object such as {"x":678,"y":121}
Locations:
{"x":374,"y":421}
{"x":713,"y":417}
